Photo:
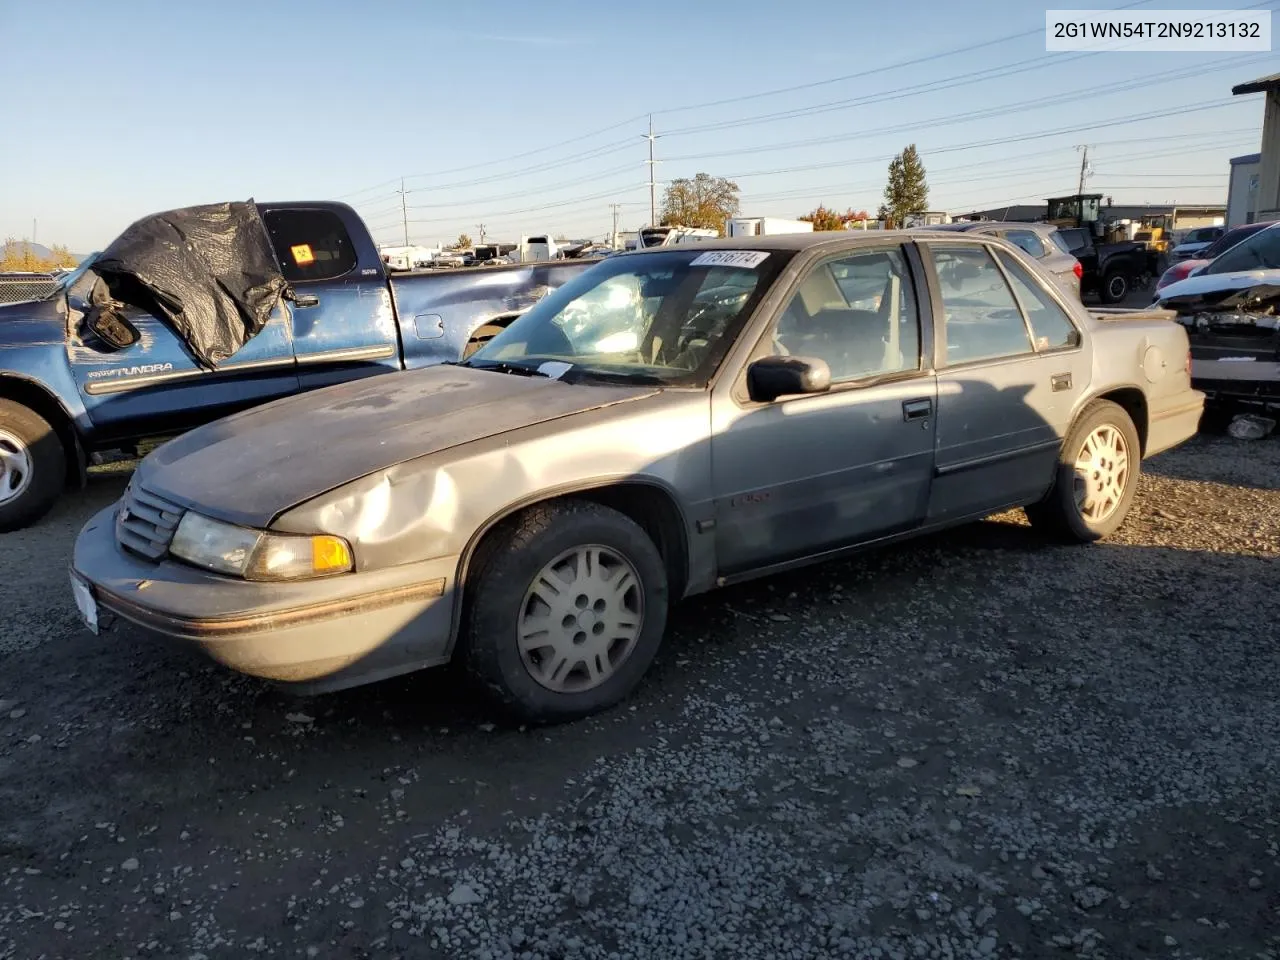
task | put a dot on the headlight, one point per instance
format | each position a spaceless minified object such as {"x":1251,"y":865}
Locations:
{"x":257,"y":554}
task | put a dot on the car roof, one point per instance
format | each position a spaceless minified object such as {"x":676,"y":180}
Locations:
{"x":966,"y":225}
{"x":798,"y":241}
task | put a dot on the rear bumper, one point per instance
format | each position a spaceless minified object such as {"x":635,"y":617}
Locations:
{"x":1174,"y":423}
{"x":315,"y":636}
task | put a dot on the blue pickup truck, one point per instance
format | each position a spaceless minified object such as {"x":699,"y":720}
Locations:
{"x":67,"y":394}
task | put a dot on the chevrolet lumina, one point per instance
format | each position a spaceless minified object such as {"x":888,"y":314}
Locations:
{"x":666,"y":422}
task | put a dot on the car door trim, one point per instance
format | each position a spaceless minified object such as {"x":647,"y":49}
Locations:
{"x":992,"y":458}
{"x":378,"y":351}
{"x":124,"y":384}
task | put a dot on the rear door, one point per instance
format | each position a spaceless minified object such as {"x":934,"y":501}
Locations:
{"x":1010,"y":365}
{"x":343,"y":323}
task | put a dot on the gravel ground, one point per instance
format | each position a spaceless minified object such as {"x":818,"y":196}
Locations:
{"x":975,"y":745}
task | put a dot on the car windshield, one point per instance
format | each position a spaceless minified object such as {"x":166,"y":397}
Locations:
{"x":665,"y":317}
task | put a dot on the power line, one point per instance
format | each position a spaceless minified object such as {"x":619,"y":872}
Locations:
{"x":684,"y":108}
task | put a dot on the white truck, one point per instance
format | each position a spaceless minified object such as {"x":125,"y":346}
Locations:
{"x":764,"y":226}
{"x":665,"y":236}
{"x":407,"y":258}
{"x":535,"y":249}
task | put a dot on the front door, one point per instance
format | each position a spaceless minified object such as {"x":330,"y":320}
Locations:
{"x":155,"y":386}
{"x":803,"y":475}
{"x":344,"y":324}
{"x":1010,"y":366}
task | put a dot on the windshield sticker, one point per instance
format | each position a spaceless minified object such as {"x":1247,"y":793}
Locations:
{"x":302,"y":254}
{"x":746,"y":259}
{"x":555,"y":369}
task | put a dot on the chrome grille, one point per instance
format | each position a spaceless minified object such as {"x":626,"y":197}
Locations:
{"x":145,"y":523}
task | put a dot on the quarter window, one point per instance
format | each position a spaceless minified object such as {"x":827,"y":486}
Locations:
{"x":1028,"y":241}
{"x":981,"y":318}
{"x":857,"y":313}
{"x":310,"y":244}
{"x":1051,"y":326}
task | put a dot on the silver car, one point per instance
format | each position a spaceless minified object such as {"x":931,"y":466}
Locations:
{"x":669,"y":421}
{"x":1040,"y":241}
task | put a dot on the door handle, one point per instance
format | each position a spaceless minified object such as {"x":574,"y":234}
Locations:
{"x":1060,"y":381}
{"x":916,"y":409}
{"x":306,"y":300}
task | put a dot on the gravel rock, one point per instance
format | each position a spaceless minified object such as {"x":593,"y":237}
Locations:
{"x":1081,"y":717}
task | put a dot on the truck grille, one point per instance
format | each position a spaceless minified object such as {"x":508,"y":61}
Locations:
{"x":145,"y":523}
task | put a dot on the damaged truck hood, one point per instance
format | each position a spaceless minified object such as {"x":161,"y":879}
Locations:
{"x":251,"y":466}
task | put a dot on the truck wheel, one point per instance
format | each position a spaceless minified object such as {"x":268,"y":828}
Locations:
{"x":33,"y":467}
{"x":567,"y":613}
{"x":1115,"y":286}
{"x":1096,"y":477}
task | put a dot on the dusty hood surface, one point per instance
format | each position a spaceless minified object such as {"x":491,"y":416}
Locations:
{"x":249,"y":467}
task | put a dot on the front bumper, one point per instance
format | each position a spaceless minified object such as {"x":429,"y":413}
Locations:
{"x":316,"y":635}
{"x":1248,"y":380}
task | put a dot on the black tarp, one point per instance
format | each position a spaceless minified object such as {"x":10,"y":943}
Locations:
{"x":207,"y":271}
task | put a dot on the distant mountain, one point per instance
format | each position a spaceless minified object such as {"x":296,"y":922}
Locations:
{"x":43,"y":252}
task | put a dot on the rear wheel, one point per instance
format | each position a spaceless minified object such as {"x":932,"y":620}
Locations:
{"x":33,"y":468}
{"x":567,"y":613}
{"x":1097,"y":477}
{"x":1115,"y":286}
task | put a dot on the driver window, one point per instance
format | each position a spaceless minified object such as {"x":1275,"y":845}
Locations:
{"x":857,"y":313}
{"x":981,"y":317}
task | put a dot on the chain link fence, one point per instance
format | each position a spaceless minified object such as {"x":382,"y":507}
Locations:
{"x":21,"y":289}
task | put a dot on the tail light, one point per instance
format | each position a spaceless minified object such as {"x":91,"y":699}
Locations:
{"x":1078,"y":270}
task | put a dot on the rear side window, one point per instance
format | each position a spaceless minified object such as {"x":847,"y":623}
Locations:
{"x":310,"y":244}
{"x":982,"y":319}
{"x":1072,"y":241}
{"x":1051,"y":326}
{"x":1259,"y":252}
{"x":1028,"y":241}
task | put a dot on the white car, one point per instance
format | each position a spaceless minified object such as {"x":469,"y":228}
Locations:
{"x":1194,"y":242}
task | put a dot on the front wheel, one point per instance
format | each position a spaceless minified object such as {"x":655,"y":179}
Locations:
{"x":567,"y":612}
{"x":33,"y":467}
{"x":1097,"y":477}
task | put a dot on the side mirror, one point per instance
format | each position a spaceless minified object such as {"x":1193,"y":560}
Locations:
{"x":113,"y":329}
{"x":772,"y":377}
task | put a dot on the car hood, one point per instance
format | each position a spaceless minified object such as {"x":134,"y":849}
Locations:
{"x":1217,"y":285}
{"x":250,"y":467}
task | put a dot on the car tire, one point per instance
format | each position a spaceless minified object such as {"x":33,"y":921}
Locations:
{"x":1115,"y":286}
{"x":33,"y":466}
{"x":518,"y":565}
{"x":1103,"y":433}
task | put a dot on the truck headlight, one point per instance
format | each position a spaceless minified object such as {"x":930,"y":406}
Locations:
{"x":257,"y":554}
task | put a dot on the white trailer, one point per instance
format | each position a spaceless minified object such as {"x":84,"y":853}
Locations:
{"x":407,"y":258}
{"x":765,"y":226}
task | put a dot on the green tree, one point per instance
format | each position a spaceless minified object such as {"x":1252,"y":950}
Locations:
{"x":907,"y":192}
{"x":704,"y":201}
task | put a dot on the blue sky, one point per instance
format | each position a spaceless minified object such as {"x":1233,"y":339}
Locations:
{"x":130,"y":108}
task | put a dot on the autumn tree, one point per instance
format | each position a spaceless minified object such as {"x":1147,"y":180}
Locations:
{"x":462,"y":242}
{"x":823,"y":218}
{"x":60,"y":256}
{"x":19,"y":255}
{"x":907,"y":192}
{"x":704,"y":201}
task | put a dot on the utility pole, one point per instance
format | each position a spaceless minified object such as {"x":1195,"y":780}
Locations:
{"x":480,"y":227}
{"x":653,"y":203}
{"x":404,"y":211}
{"x":613,"y":237}
{"x":1084,"y":165}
